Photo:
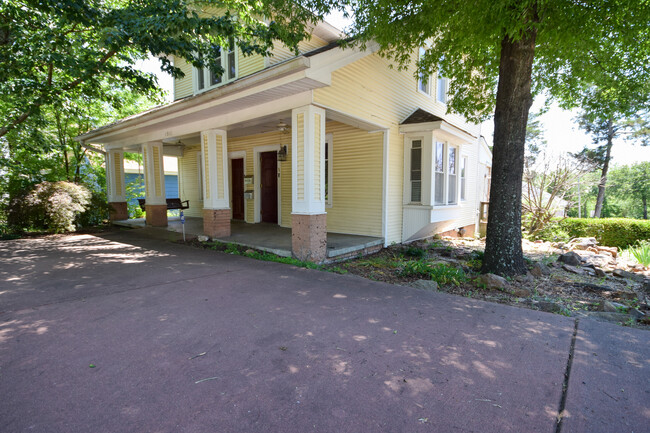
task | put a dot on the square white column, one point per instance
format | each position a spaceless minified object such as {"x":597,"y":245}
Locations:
{"x":154,"y":173}
{"x":214,"y":148}
{"x":308,"y":160}
{"x":115,"y":183}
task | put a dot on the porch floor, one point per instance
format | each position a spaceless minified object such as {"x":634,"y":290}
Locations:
{"x":263,"y":236}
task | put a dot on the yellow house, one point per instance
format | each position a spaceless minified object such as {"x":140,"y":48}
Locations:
{"x":330,"y":141}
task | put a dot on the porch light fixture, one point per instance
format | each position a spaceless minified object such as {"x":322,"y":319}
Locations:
{"x":282,"y":153}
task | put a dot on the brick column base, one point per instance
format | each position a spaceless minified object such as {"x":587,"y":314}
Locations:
{"x":309,"y":237}
{"x":156,"y":215}
{"x":119,"y":211}
{"x":216,"y":223}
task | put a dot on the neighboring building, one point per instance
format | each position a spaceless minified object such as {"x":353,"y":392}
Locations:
{"x":332,"y":140}
{"x":134,"y":175}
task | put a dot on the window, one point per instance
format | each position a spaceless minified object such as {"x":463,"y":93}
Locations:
{"x":328,"y":170}
{"x":446,"y":174}
{"x":424,"y":83}
{"x":207,"y":78}
{"x":463,"y":176}
{"x":416,"y":171}
{"x":443,"y":82}
{"x":452,"y":176}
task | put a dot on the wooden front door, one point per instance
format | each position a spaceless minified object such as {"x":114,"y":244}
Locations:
{"x":237,"y":188}
{"x":269,"y":186}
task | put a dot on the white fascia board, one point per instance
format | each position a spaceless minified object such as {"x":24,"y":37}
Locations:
{"x":450,"y":131}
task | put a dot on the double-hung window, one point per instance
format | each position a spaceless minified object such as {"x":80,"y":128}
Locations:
{"x":416,"y":171}
{"x":424,"y":82}
{"x":463,"y":176}
{"x":446,"y":174}
{"x":208,"y":78}
{"x":442,"y":87}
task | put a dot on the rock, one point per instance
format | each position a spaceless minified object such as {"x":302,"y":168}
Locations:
{"x":608,"y":317}
{"x":249,"y":251}
{"x":582,"y":243}
{"x":548,"y":306}
{"x":594,"y":288}
{"x":527,"y":278}
{"x":624,"y":295}
{"x":570,"y":258}
{"x":425,"y":285}
{"x":646,"y":285}
{"x":573,"y":269}
{"x":491,"y":281}
{"x":599,"y":272}
{"x":612,"y":307}
{"x":521,"y":292}
{"x":202,"y":238}
{"x":638,"y":315}
{"x":539,"y":269}
{"x":613,"y":251}
{"x":599,"y":260}
{"x":589,"y":271}
{"x":620,"y":273}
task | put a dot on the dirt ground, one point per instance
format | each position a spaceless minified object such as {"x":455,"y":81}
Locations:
{"x":582,"y":290}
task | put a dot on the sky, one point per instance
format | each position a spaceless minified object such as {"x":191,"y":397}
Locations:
{"x":561,"y":132}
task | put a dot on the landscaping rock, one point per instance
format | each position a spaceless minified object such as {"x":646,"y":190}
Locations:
{"x":624,"y":295}
{"x":570,"y":258}
{"x":521,"y":292}
{"x":548,"y":306}
{"x":573,"y":269}
{"x":598,"y":260}
{"x":611,"y":307}
{"x":539,"y":269}
{"x":491,"y":281}
{"x":599,"y":273}
{"x":582,"y":243}
{"x":646,"y":285}
{"x":527,"y":278}
{"x":613,"y":251}
{"x":430,"y":285}
{"x":638,"y":315}
{"x":620,"y":273}
{"x":608,"y":317}
{"x":202,"y":238}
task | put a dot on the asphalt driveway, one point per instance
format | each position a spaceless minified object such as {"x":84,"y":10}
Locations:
{"x":187,"y":340}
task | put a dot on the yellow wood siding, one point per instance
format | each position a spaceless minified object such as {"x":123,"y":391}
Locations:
{"x":300,"y":154}
{"x":189,"y":181}
{"x":357,"y":164}
{"x":183,"y":86}
{"x":280,"y":52}
{"x":219,"y":165}
{"x":317,"y":156}
{"x":248,"y":64}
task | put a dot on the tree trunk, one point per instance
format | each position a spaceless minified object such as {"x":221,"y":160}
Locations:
{"x":645,"y":208}
{"x":503,"y":253}
{"x":603,"y":176}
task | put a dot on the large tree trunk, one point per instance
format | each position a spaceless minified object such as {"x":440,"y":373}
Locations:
{"x":603,"y":176}
{"x":645,"y":207}
{"x":503,"y":253}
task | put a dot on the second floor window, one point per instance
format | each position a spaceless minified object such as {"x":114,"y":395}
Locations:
{"x":207,"y":78}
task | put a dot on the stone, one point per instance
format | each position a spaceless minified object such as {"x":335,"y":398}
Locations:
{"x":570,"y":258}
{"x":599,"y":260}
{"x":583,"y":243}
{"x":599,"y":273}
{"x":620,"y":273}
{"x":613,"y":251}
{"x":539,"y":269}
{"x":425,"y":285}
{"x":249,"y":251}
{"x":521,"y":292}
{"x":491,"y":281}
{"x":526,"y":278}
{"x":624,"y":295}
{"x":638,"y":315}
{"x":604,"y":316}
{"x":646,"y":285}
{"x":573,"y":269}
{"x":611,"y":307}
{"x":202,"y":238}
{"x":548,"y":306}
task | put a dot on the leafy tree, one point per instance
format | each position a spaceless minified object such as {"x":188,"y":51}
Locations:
{"x":497,"y":55}
{"x":633,"y":183}
{"x":49,"y":48}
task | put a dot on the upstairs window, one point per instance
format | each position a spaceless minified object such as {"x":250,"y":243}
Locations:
{"x":207,"y":78}
{"x":424,"y":83}
{"x":442,"y":88}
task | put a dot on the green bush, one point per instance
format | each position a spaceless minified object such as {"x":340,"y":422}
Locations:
{"x":611,"y":232}
{"x":553,"y":231}
{"x":97,"y":211}
{"x":440,"y":273}
{"x":51,"y":206}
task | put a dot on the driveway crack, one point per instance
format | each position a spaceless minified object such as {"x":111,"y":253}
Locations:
{"x":567,"y":376}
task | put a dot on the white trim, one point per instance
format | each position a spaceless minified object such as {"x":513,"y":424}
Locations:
{"x":329,"y":139}
{"x":239,"y":154}
{"x":308,"y":205}
{"x":257,"y":173}
{"x":384,"y":197}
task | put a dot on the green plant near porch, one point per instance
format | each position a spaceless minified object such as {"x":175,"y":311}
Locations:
{"x":440,"y":273}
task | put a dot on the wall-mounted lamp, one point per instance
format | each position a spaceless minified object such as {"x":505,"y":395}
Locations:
{"x":282,"y":153}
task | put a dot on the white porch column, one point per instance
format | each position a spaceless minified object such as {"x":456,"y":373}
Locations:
{"x":154,"y":183}
{"x":216,"y":192}
{"x":308,"y":222}
{"x":115,"y":185}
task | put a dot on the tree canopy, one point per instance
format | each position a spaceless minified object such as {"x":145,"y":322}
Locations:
{"x":51,"y":47}
{"x":497,"y":55}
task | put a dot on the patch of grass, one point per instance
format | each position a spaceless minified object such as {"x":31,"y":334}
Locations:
{"x":641,"y":252}
{"x":440,"y":273}
{"x":416,"y":252}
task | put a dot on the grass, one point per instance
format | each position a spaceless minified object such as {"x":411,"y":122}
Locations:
{"x":440,"y":273}
{"x":640,"y":252}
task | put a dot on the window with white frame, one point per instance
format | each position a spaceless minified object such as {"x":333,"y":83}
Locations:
{"x":463,"y":176}
{"x":424,"y":83}
{"x":442,"y":87}
{"x":445,"y":174}
{"x":416,"y":171}
{"x":328,"y":171}
{"x":207,"y":78}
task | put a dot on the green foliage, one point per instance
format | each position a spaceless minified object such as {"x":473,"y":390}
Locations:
{"x":552,"y":231}
{"x":51,"y":206}
{"x":440,"y":273}
{"x":641,"y":252}
{"x":416,"y":252}
{"x":613,"y":232}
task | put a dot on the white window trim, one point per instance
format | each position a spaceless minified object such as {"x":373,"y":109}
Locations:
{"x":460,"y":179}
{"x":329,"y":139}
{"x":446,"y":204}
{"x":206,"y":74}
{"x":421,"y":78}
{"x":445,"y":82}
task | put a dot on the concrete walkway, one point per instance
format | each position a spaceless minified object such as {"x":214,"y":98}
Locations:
{"x":189,"y":340}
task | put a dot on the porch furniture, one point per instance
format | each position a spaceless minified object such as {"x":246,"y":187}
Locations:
{"x":172,"y":204}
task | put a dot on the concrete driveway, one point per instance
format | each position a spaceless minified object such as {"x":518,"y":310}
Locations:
{"x":187,"y":340}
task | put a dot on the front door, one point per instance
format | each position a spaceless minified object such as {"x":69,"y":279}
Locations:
{"x":269,"y":187}
{"x":237,"y":193}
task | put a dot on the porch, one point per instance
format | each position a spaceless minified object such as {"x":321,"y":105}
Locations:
{"x":267,"y":237}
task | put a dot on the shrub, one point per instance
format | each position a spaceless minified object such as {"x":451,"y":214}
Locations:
{"x":415,"y":252}
{"x":612,"y":232}
{"x":97,"y":211}
{"x":552,"y":231}
{"x":641,"y":252}
{"x":53,"y":206}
